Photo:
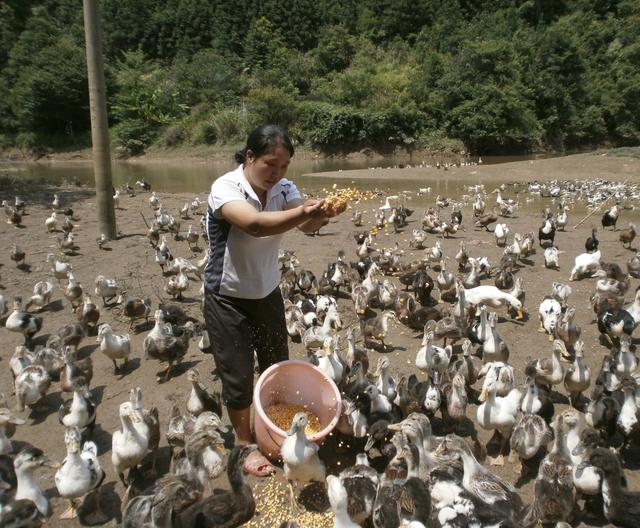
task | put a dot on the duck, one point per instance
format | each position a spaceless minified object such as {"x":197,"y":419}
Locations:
{"x":504,"y":280}
{"x":73,"y":291}
{"x":17,"y":255}
{"x":493,"y":297}
{"x":577,"y":377}
{"x":624,"y":361}
{"x":106,"y":288}
{"x":354,"y":354}
{"x":150,"y":419}
{"x":80,"y":410}
{"x":357,"y":492}
{"x":21,"y":321}
{"x":79,"y":474}
{"x":51,"y":223}
{"x":586,"y":263}
{"x":431,"y":357}
{"x":472,"y":279}
{"x":549,"y":313}
{"x":610,"y":218}
{"x":561,"y":292}
{"x":465,"y":366}
{"x":200,"y":399}
{"x":114,"y":346}
{"x":621,"y":506}
{"x":494,"y":348}
{"x":30,"y":386}
{"x":378,"y":327}
{"x":161,"y":505}
{"x":25,"y":462}
{"x":455,"y":402}
{"x":567,"y":330}
{"x":225,"y":508}
{"x":385,"y":383}
{"x":592,"y":242}
{"x":88,"y":313}
{"x":68,"y":335}
{"x":550,"y":371}
{"x":501,"y":231}
{"x":586,"y":479}
{"x":7,"y":420}
{"x":552,"y":257}
{"x":528,"y":437}
{"x":547,"y":230}
{"x":170,"y":346}
{"x":130,"y":443}
{"x":485,"y":220}
{"x":633,"y":308}
{"x":42,"y":292}
{"x":75,"y":370}
{"x":554,"y":495}
{"x":628,"y":421}
{"x":446,"y":280}
{"x":59,"y":268}
{"x":502,"y":501}
{"x":536,"y":399}
{"x":633,"y":266}
{"x":500,"y":373}
{"x":177,"y":284}
{"x":339,"y":502}
{"x":499,"y":414}
{"x":300,"y":457}
{"x":614,"y":322}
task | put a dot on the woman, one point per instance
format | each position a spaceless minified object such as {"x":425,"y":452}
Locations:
{"x":249,"y":210}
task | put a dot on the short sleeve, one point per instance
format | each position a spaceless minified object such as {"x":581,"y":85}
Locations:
{"x":225,"y":190}
{"x":291,"y":192}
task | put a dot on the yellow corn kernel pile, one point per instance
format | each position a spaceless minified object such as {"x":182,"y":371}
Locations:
{"x":272,"y":508}
{"x":282,"y":415}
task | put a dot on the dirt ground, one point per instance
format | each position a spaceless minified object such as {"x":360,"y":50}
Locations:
{"x":130,"y":260}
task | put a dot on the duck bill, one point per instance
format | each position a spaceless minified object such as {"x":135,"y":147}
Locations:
{"x":46,"y":461}
{"x":483,"y":395}
{"x":369,"y":444}
{"x":520,"y":314}
{"x":395,"y":427}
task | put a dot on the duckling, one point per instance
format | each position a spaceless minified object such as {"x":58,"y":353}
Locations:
{"x":577,"y":377}
{"x":177,"y":284}
{"x":416,"y":503}
{"x":504,"y":280}
{"x":586,"y":263}
{"x":501,"y":498}
{"x":430,"y":357}
{"x":554,"y":492}
{"x":378,"y":327}
{"x":30,"y":386}
{"x":200,"y":399}
{"x":528,"y":437}
{"x":499,"y":414}
{"x":41,"y":298}
{"x":67,"y":244}
{"x":472,"y":279}
{"x":25,"y":462}
{"x":384,"y":381}
{"x":106,"y":288}
{"x":445,"y":279}
{"x":161,"y":506}
{"x":74,"y":370}
{"x":79,"y":473}
{"x":586,"y":478}
{"x":13,"y":214}
{"x":88,"y":313}
{"x":315,"y":336}
{"x":20,"y":321}
{"x":465,"y":366}
{"x":550,"y":371}
{"x":549,"y":313}
{"x":536,"y":399}
{"x":300,"y":457}
{"x":592,"y":243}
{"x":355,"y":355}
{"x":114,"y":346}
{"x":225,"y":508}
{"x":7,"y":419}
{"x":79,"y":411}
{"x":129,"y":444}
{"x":494,"y":348}
{"x":134,"y":307}
{"x":621,"y":506}
{"x":568,"y":331}
{"x":68,"y":335}
{"x":633,"y":266}
{"x":17,"y":255}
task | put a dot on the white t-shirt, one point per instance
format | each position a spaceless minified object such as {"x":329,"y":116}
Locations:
{"x":241,"y":265}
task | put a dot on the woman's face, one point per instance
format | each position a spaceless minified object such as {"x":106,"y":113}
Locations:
{"x":267,"y":170}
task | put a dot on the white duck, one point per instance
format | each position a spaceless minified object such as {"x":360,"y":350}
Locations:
{"x":549,"y":313}
{"x":501,"y":231}
{"x":7,"y":417}
{"x":493,"y":297}
{"x":561,"y":292}
{"x":586,"y":263}
{"x":59,"y":269}
{"x":106,"y":288}
{"x":300,"y":457}
{"x":130,"y":443}
{"x":552,"y":257}
{"x":25,"y":462}
{"x":499,"y":414}
{"x":51,"y":223}
{"x":114,"y":346}
{"x":384,"y":381}
{"x":431,"y":357}
{"x":329,"y":362}
{"x":41,"y":297}
{"x":80,"y":471}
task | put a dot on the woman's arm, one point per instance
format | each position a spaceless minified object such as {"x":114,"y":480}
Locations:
{"x":268,"y":223}
{"x":315,"y":223}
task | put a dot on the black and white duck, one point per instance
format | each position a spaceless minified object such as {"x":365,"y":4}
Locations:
{"x":610,"y":218}
{"x":592,"y":243}
{"x":21,"y":321}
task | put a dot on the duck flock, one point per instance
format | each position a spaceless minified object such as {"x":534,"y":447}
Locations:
{"x":412,"y":426}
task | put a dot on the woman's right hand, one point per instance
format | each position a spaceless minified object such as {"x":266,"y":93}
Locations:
{"x":313,"y":208}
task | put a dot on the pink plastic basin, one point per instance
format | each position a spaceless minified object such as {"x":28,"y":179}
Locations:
{"x":293,"y":382}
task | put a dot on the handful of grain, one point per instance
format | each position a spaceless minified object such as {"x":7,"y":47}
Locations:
{"x":282,"y":415}
{"x":338,"y":199}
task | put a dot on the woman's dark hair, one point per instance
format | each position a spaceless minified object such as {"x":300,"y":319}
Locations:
{"x":262,"y":139}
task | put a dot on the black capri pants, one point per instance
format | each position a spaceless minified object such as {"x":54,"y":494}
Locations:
{"x":237,"y":328}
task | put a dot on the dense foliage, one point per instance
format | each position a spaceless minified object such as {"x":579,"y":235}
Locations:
{"x":497,"y":75}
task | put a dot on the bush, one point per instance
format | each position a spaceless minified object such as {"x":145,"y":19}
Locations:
{"x":204,"y":132}
{"x":132,"y":137}
{"x":271,"y":105}
{"x":173,"y":136}
{"x":230,"y":124}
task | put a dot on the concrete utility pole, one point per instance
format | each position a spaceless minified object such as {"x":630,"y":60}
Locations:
{"x":99,"y":122}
